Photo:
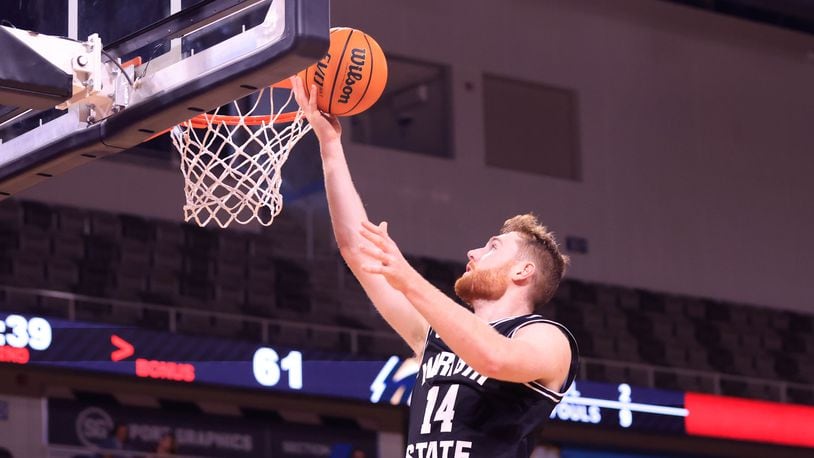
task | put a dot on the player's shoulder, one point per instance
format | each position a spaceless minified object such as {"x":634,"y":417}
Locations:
{"x":513,"y":325}
{"x":535,"y":327}
{"x":536,"y":323}
{"x":554,"y":344}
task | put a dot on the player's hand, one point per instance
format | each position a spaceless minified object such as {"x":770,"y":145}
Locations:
{"x":326,"y":127}
{"x":386,"y":258}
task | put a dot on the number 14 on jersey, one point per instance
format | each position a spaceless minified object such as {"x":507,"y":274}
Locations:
{"x":445,"y":412}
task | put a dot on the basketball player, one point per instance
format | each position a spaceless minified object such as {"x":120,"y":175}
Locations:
{"x":489,"y":376}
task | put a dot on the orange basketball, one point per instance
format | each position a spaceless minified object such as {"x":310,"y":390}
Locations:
{"x":351,"y":77}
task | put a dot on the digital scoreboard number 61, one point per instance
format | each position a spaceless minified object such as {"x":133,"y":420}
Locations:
{"x":268,"y":368}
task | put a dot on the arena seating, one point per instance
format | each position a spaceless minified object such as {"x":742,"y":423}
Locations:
{"x":127,"y":269}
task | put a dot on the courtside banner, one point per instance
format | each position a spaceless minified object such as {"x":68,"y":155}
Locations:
{"x":89,"y":425}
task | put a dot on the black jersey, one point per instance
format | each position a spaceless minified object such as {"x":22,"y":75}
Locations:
{"x":456,"y":412}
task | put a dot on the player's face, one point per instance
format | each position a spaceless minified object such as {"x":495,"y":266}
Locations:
{"x":487,"y":275}
{"x":498,"y":250}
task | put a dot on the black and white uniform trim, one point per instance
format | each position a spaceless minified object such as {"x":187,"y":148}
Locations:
{"x":453,"y":407}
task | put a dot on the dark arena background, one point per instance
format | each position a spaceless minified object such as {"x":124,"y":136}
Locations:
{"x":667,"y":143}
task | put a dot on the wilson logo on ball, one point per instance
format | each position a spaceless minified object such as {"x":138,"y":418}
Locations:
{"x":352,"y":75}
{"x":357,"y":56}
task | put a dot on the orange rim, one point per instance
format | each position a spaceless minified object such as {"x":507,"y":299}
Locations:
{"x":203,"y":120}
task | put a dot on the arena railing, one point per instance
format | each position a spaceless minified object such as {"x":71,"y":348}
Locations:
{"x":67,"y":307}
{"x":69,"y":310}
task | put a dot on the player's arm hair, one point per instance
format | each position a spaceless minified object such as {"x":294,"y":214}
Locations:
{"x":347,"y":214}
{"x":537,"y":352}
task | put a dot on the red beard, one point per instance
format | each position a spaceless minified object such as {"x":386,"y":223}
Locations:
{"x":488,"y":285}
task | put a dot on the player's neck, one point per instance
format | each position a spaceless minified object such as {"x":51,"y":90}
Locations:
{"x":508,"y":306}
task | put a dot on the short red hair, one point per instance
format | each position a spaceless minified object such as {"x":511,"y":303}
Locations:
{"x":541,"y":248}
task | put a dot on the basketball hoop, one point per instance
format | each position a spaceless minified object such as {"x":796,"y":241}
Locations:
{"x":232,"y":163}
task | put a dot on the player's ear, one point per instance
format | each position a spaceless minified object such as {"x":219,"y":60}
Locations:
{"x":523,"y":270}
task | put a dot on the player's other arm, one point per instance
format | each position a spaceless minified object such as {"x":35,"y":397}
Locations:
{"x":347,"y":214}
{"x":537,"y":352}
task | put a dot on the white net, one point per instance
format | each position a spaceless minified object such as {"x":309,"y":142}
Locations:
{"x":232,"y":164}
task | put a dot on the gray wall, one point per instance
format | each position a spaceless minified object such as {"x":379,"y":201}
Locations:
{"x":694,"y":132}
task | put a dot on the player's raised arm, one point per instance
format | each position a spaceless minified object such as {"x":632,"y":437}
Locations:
{"x":539,"y":352}
{"x":347,"y":215}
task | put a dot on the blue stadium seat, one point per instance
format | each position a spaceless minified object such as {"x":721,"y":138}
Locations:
{"x":67,"y":246}
{"x":131,"y":282}
{"x":23,"y":270}
{"x":37,"y":215}
{"x":135,"y":254}
{"x":11,"y":215}
{"x":61,"y":274}
{"x":137,"y":229}
{"x":167,"y":255}
{"x":800,"y":395}
{"x":105,"y":224}
{"x":35,"y":242}
{"x":72,"y":221}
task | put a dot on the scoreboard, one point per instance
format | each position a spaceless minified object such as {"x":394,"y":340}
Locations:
{"x":147,"y":354}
